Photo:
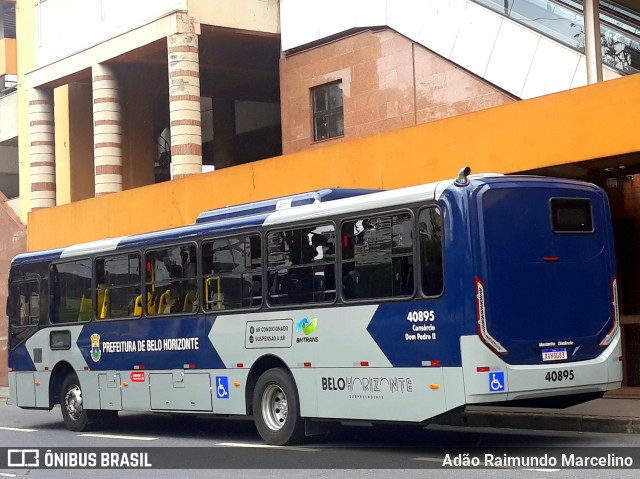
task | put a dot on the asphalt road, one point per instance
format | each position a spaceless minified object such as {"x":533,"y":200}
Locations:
{"x":234,"y":449}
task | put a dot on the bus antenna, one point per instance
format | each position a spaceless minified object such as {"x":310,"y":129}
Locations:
{"x":462,"y":179}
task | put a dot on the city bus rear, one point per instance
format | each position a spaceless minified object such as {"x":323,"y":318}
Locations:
{"x":545,"y":292}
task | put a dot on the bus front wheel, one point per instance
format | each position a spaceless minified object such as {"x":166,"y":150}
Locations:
{"x":76,"y":417}
{"x":73,"y":412}
{"x":276,"y":408}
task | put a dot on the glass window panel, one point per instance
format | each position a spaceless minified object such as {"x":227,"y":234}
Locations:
{"x":232,"y":272}
{"x":319,"y":100}
{"x":430,"y":232}
{"x":171,"y":285}
{"x":321,"y":127}
{"x":336,"y":124}
{"x":335,"y":95}
{"x":301,"y":265}
{"x":24,"y":304}
{"x":118,"y":287}
{"x":71,"y":297}
{"x":328,"y":115}
{"x":377,"y":255}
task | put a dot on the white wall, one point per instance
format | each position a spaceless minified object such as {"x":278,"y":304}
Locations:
{"x":64,"y":27}
{"x":9,"y":117}
{"x":505,"y":53}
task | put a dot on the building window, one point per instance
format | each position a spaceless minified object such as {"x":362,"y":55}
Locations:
{"x":328,"y":117}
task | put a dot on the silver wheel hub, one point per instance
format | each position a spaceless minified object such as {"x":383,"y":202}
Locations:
{"x":73,"y":402}
{"x":275,"y":407}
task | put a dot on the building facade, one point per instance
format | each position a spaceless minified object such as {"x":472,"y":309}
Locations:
{"x":240,"y":100}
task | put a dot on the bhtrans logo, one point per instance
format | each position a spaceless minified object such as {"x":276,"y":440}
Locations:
{"x":307,"y":327}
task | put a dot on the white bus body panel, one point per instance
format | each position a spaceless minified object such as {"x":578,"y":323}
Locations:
{"x":529,"y":381}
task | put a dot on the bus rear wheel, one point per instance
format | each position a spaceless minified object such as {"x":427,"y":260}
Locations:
{"x":276,"y":408}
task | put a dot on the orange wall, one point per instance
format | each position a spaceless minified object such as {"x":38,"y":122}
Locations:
{"x":590,"y":122}
{"x":8,"y":58}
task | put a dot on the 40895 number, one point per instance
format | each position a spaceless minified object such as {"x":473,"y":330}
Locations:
{"x":554,"y":376}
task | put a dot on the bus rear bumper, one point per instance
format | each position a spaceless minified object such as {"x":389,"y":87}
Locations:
{"x":489,"y":379}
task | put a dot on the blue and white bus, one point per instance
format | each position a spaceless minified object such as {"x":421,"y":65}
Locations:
{"x":387,"y":306}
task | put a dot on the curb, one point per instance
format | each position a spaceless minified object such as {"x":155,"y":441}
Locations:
{"x":552,"y":422}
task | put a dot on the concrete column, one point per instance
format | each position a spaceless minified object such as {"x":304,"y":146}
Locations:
{"x":107,"y":130}
{"x":184,"y":105}
{"x":592,"y":41}
{"x":42,"y":161}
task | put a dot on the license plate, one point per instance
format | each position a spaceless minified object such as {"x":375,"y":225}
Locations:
{"x":554,"y":354}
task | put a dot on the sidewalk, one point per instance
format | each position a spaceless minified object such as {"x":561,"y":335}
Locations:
{"x":617,"y":412}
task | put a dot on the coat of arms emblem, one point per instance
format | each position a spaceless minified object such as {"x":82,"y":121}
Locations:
{"x":95,"y":347}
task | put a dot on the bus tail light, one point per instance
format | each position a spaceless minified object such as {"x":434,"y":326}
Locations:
{"x":616,"y":314}
{"x":483,"y":332}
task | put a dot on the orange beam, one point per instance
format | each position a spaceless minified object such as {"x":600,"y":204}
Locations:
{"x":592,"y":122}
{"x":8,"y":57}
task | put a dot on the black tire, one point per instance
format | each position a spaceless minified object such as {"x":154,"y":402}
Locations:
{"x":276,"y":408}
{"x":76,"y":417}
{"x":72,"y":405}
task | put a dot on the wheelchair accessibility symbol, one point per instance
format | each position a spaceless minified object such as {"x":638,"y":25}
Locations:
{"x":496,"y":382}
{"x":222,"y":387}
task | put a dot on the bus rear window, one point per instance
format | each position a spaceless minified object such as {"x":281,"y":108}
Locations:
{"x":571,"y":215}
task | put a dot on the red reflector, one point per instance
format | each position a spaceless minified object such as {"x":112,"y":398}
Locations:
{"x":483,"y":369}
{"x":364,"y":363}
{"x":46,"y":368}
{"x":86,"y":368}
{"x":620,"y":359}
{"x":192,"y":366}
{"x":551,"y":258}
{"x":435,"y":364}
{"x":239,"y":365}
{"x":307,"y":365}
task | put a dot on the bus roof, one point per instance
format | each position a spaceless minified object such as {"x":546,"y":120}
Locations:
{"x":312,"y":205}
{"x":276,"y":204}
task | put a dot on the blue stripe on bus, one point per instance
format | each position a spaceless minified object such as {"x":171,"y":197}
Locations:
{"x":19,"y":359}
{"x":408,"y":336}
{"x":156,"y":343}
{"x":37,"y":256}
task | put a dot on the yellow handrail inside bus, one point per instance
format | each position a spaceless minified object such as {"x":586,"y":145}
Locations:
{"x":215,"y":300}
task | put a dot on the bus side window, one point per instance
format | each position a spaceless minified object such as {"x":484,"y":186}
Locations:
{"x":301,"y":265}
{"x":431,"y":230}
{"x":70,"y":282}
{"x":232,"y":276}
{"x":24,"y":304}
{"x":377,"y":257}
{"x":118,"y":285}
{"x":171,"y":283}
